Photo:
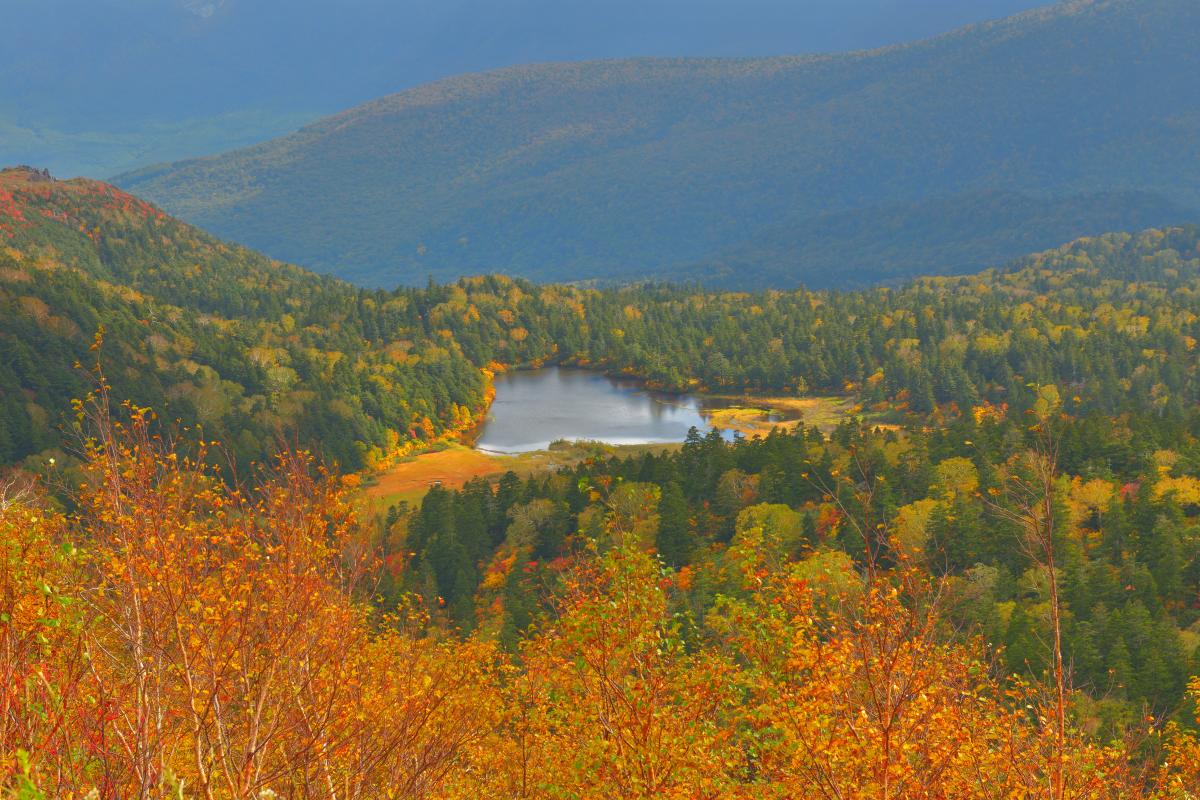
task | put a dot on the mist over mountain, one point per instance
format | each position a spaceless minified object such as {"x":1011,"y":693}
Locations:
{"x":940,"y":156}
{"x":99,"y":86}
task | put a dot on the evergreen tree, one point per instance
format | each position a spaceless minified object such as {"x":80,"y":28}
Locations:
{"x":674,"y":539}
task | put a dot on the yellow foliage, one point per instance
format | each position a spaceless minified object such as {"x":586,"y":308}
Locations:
{"x":955,"y":477}
{"x":911,"y":526}
{"x":1186,"y":489}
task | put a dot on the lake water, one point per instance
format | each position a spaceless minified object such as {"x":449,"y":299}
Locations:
{"x":534,"y":408}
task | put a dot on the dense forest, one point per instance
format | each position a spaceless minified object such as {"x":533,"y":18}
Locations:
{"x":998,"y":591}
{"x":253,"y":350}
{"x":261,"y":353}
{"x":1127,"y":537}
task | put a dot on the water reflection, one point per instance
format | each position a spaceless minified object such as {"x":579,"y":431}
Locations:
{"x":534,"y":408}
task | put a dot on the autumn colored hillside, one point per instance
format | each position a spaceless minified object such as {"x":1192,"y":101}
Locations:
{"x":179,"y":637}
{"x":998,"y":594}
{"x":255,"y":351}
{"x":259,"y":352}
{"x":260,"y":539}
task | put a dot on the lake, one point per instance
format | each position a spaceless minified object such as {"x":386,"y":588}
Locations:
{"x":536,"y":407}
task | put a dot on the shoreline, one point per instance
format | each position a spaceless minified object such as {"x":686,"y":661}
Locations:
{"x":455,"y":458}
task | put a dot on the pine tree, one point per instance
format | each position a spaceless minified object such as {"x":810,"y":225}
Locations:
{"x":673,"y":540}
{"x":1165,"y":556}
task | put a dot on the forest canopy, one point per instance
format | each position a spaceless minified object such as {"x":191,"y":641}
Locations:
{"x":259,"y":352}
{"x":219,"y":641}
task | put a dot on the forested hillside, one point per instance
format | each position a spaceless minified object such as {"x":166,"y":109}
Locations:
{"x":879,"y":613}
{"x":947,"y":155}
{"x":876,"y":616}
{"x":255,"y":351}
{"x":170,"y":79}
{"x":260,"y":352}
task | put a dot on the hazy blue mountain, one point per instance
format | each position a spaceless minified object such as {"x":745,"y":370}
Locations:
{"x":944,"y":155}
{"x":951,"y":234}
{"x":100,"y":86}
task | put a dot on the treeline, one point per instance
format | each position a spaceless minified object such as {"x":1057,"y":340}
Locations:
{"x":180,"y":637}
{"x":1126,"y":538}
{"x":1112,"y":319}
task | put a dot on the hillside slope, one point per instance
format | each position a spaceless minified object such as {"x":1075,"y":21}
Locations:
{"x":260,"y":352}
{"x":256,"y":351}
{"x":160,"y":80}
{"x":685,"y":167}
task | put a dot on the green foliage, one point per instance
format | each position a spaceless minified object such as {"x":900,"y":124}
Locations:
{"x":258,"y":352}
{"x":673,"y":540}
{"x":25,"y":788}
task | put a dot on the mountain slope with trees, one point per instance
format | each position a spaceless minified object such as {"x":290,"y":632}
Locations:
{"x":261,"y":352}
{"x":255,"y":351}
{"x":746,"y":172}
{"x":159,"y":81}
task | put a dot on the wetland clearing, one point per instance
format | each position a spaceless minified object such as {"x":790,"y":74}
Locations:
{"x":554,"y":417}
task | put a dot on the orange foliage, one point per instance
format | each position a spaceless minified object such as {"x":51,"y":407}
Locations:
{"x":873,"y":701}
{"x":1180,"y":776}
{"x":49,"y":709}
{"x":611,"y":704}
{"x":226,"y":648}
{"x":215,"y":642}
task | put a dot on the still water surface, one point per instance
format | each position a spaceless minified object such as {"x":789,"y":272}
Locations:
{"x":534,"y":408}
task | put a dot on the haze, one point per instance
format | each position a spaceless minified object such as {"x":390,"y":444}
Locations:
{"x":96,"y":87}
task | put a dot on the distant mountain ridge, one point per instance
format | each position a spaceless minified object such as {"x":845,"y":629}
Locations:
{"x":950,"y":235}
{"x":150,"y":81}
{"x":711,"y":169}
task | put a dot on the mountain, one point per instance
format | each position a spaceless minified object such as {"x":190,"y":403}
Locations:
{"x":948,"y":235}
{"x":684,"y":167}
{"x":157,"y":80}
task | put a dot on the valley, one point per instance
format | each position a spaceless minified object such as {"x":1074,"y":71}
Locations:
{"x":929,"y":409}
{"x":562,"y":404}
{"x":666,"y":428}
